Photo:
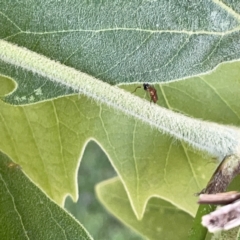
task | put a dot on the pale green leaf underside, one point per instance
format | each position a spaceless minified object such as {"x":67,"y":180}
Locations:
{"x":26,"y":213}
{"x":161,"y":219}
{"x":123,"y":41}
{"x":48,"y":138}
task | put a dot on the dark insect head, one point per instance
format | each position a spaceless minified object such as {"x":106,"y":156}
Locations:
{"x":146,"y":86}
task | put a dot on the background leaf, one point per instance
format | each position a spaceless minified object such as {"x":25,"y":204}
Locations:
{"x":26,"y":211}
{"x":160,"y":217}
{"x":122,"y":41}
{"x":95,"y":167}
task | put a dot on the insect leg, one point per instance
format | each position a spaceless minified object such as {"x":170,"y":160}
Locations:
{"x":136,"y":89}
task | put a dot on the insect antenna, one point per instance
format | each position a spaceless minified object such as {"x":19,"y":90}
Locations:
{"x":136,"y":89}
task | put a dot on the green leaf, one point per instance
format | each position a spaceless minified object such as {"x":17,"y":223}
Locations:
{"x":88,"y":210}
{"x":160,"y":217}
{"x":198,"y":231}
{"x":125,"y":41}
{"x":177,"y":125}
{"x":148,"y":162}
{"x":26,"y":212}
{"x":55,"y":133}
{"x":118,"y":42}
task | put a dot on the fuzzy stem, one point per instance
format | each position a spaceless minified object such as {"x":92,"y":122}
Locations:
{"x":216,"y":139}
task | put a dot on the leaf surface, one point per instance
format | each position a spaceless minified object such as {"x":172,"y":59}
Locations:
{"x":122,"y":41}
{"x":160,"y":217}
{"x":148,"y":162}
{"x":119,"y":42}
{"x":26,"y":212}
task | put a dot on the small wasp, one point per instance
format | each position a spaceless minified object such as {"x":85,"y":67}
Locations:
{"x":152,"y":91}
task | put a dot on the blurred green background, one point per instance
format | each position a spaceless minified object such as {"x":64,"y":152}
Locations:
{"x":94,"y":168}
